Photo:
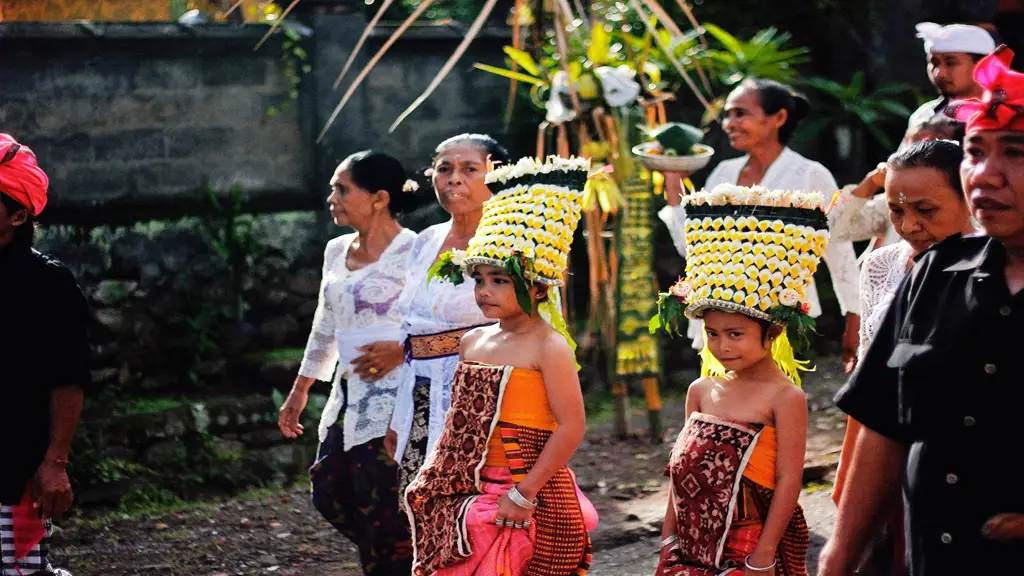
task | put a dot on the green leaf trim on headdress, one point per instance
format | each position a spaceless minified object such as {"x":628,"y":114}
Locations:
{"x":446,"y":269}
{"x":671,"y":311}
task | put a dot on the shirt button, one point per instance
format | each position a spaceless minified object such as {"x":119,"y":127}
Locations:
{"x":946,"y":537}
{"x":1005,"y":311}
{"x":969,"y":421}
{"x":990,"y":369}
{"x":951,"y":479}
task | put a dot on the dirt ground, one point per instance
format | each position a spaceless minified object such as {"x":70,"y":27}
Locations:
{"x":282,"y":533}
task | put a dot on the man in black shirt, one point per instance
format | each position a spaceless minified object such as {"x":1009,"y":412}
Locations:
{"x":43,"y":370}
{"x":941,"y":389}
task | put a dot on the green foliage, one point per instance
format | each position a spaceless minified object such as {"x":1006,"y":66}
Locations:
{"x":517,"y":267}
{"x":445,"y":268}
{"x":854,"y":104}
{"x":296,"y":64}
{"x":230,"y":232}
{"x":799,"y":326}
{"x":671,"y":314}
{"x":764,"y":55}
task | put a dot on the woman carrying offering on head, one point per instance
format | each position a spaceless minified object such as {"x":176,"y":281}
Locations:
{"x":926,"y":205}
{"x":436,"y":313}
{"x":355,"y":484}
{"x":496,"y":496}
{"x":760,"y":118}
{"x":736,"y":469}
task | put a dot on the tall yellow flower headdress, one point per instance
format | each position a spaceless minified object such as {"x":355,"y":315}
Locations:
{"x":752,"y":251}
{"x":526,"y":229}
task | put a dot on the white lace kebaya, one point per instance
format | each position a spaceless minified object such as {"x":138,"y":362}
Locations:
{"x":432,"y":308}
{"x":353,"y":299}
{"x":880,"y":275}
{"x":790,"y":171}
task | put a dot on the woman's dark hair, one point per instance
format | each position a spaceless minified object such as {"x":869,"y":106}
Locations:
{"x":25,"y":234}
{"x":372,"y":171}
{"x":942,"y":155}
{"x":774,"y":96}
{"x":939,"y":122}
{"x":489,"y":145}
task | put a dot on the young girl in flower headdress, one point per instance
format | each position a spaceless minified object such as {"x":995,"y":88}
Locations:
{"x":496,"y":496}
{"x":737,"y":465}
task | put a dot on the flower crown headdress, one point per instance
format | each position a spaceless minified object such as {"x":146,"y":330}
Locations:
{"x":753,"y":251}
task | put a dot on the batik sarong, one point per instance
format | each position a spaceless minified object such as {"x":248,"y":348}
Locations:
{"x":454,"y":494}
{"x":719,"y":510}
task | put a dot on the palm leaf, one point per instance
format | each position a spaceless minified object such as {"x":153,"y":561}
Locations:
{"x":600,"y":41}
{"x":894,"y":108}
{"x":510,"y":74}
{"x":523,"y":58}
{"x":373,"y":62}
{"x":892,"y":89}
{"x":452,"y":60}
{"x":362,"y":40}
{"x":730,"y":42}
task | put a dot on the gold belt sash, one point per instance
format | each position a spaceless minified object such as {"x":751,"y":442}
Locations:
{"x":439,"y":345}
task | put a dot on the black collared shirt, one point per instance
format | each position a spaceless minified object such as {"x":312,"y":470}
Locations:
{"x":945,"y":377}
{"x":43,"y":322}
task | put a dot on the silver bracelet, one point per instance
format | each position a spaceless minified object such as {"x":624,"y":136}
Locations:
{"x":519,"y":500}
{"x":746,"y":562}
{"x":670,"y":540}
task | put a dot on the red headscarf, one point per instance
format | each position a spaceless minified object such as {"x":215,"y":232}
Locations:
{"x":21,"y":177}
{"x":1001,"y":107}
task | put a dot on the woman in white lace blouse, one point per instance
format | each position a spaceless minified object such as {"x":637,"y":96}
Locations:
{"x":355,"y":484}
{"x":437,"y":313}
{"x":761,"y":116}
{"x":926,"y":204}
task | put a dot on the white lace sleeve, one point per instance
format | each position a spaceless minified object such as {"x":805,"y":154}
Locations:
{"x":321,"y":353}
{"x":854,"y":218}
{"x":839,"y":256}
{"x":674,"y":218}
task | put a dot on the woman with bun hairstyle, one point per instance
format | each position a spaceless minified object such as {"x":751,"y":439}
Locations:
{"x":760,"y":118}
{"x":354,"y":482}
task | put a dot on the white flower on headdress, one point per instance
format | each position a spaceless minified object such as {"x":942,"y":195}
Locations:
{"x":789,"y":297}
{"x":458,"y":257}
{"x":718,"y":197}
{"x":681,"y":290}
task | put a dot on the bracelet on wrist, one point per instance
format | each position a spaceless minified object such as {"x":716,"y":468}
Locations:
{"x":518,"y":499}
{"x":672,"y":539}
{"x":58,"y":461}
{"x":752,"y":568}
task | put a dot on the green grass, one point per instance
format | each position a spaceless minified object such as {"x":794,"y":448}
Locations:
{"x":813,"y":487}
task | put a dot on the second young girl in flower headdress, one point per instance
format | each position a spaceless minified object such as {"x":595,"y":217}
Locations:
{"x":737,"y":465}
{"x":496,"y":497}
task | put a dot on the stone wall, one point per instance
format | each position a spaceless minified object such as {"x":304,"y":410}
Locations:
{"x":130,"y":120}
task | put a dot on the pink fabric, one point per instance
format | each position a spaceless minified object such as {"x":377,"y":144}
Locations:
{"x":21,"y":177}
{"x":501,"y":551}
{"x":28,"y":529}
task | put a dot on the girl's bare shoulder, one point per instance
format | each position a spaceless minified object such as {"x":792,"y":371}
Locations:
{"x":790,"y":396}
{"x":474,"y":337}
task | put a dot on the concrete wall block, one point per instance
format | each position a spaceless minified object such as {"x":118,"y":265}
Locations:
{"x":166,"y":177}
{"x":110,"y":73}
{"x":62,"y":148}
{"x":168,"y":75}
{"x":234,"y":71}
{"x":141,"y":144}
{"x":86,"y":184}
{"x":228,"y":106}
{"x":201,"y":142}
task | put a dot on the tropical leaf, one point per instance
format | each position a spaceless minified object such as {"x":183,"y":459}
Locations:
{"x":524,"y":59}
{"x":730,"y":42}
{"x":894,"y":108}
{"x":474,"y":29}
{"x":511,"y":75}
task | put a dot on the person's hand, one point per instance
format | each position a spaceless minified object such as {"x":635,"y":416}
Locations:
{"x":512,"y":512}
{"x":391,"y":443}
{"x":851,"y":342}
{"x":379,"y":359}
{"x":288,"y":420}
{"x":1004,"y":527}
{"x":872,"y":183}
{"x":51,"y":490}
{"x":674,"y":189}
{"x":832,"y":561}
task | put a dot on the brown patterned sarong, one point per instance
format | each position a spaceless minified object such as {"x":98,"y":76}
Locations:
{"x":440,"y":496}
{"x":719,"y":513}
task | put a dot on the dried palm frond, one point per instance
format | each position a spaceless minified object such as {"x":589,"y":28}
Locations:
{"x":517,"y":44}
{"x":671,"y":26}
{"x":362,"y":40}
{"x":373,"y":62}
{"x":277,"y":22}
{"x":452,"y":60}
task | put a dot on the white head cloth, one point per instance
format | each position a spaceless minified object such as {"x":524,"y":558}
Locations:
{"x":955,"y":38}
